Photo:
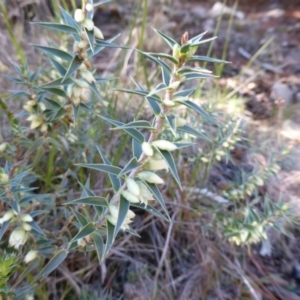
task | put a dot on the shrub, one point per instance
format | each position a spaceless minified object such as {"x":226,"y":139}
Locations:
{"x":57,"y":136}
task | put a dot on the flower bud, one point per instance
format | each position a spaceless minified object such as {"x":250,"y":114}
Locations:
{"x":180,"y":121}
{"x":30,"y":256}
{"x":4,"y":178}
{"x":79,"y":15}
{"x":130,"y":197}
{"x":89,"y":7}
{"x":81,"y":83}
{"x":88,"y":76}
{"x":98,"y":33}
{"x":17,"y":238}
{"x":155,"y":165}
{"x":157,"y":156}
{"x":36,"y":121}
{"x":82,"y":44}
{"x":174,"y":85}
{"x":3,"y":147}
{"x":150,"y":177}
{"x":147,"y":149}
{"x":169,"y":103}
{"x":7,"y":216}
{"x":132,"y":186}
{"x":26,"y":218}
{"x":26,"y":227}
{"x":191,"y":52}
{"x":164,"y":145}
{"x":88,"y":24}
{"x":176,"y":51}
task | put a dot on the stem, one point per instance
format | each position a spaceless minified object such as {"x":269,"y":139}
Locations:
{"x":159,"y":122}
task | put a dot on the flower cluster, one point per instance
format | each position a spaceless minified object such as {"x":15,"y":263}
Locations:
{"x":114,"y":214}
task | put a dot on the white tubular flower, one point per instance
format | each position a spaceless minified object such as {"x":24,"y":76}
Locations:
{"x":88,"y":76}
{"x":180,"y":121}
{"x":88,"y":24}
{"x":4,"y":178}
{"x":130,"y":197}
{"x":146,"y":195}
{"x":147,"y":149}
{"x":3,"y":147}
{"x":7,"y":216}
{"x":26,"y":218}
{"x":169,"y":103}
{"x":98,"y":33}
{"x":174,"y":85}
{"x":114,"y":214}
{"x":79,"y":15}
{"x":26,"y":227}
{"x":89,"y":7}
{"x":157,"y":156}
{"x":155,"y":165}
{"x":29,"y":106}
{"x":164,"y":145}
{"x":132,"y":186}
{"x":150,"y":177}
{"x":36,"y":121}
{"x":30,"y":256}
{"x":17,"y":238}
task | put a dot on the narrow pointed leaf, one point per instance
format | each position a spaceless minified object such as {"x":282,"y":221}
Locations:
{"x":70,"y":21}
{"x":110,"y":237}
{"x":80,"y":217}
{"x":95,"y":89}
{"x":57,"y":26}
{"x":91,"y":38}
{"x":197,"y":38}
{"x":55,"y":91}
{"x":56,"y":260}
{"x":136,"y":124}
{"x":103,"y":167}
{"x":123,"y":210}
{"x":85,"y":231}
{"x":115,"y":181}
{"x":56,"y":52}
{"x":154,"y":105}
{"x":183,"y":145}
{"x":164,"y":55}
{"x":136,"y":92}
{"x":194,"y":132}
{"x":191,"y":76}
{"x":132,"y":132}
{"x":184,"y":93}
{"x":155,"y":191}
{"x":207,"y":59}
{"x":91,"y":200}
{"x":59,"y":67}
{"x":171,"y":42}
{"x":199,"y":110}
{"x":171,"y":120}
{"x":166,"y":77}
{"x":98,"y":241}
{"x":73,"y":67}
{"x":150,"y":209}
{"x":171,"y":163}
{"x":58,"y":82}
{"x":136,"y":149}
{"x":133,"y":164}
{"x":3,"y":229}
{"x":39,"y":142}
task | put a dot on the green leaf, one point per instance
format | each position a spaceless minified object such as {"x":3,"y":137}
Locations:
{"x":136,"y":124}
{"x":171,"y":163}
{"x":57,"y":26}
{"x":164,"y":55}
{"x":184,"y":93}
{"x":158,"y":61}
{"x":131,"y":165}
{"x":80,"y":217}
{"x":166,"y":77}
{"x":197,"y":38}
{"x":206,"y":58}
{"x":123,"y":210}
{"x":95,"y":89}
{"x":171,"y":120}
{"x":132,"y":132}
{"x":171,"y":42}
{"x":55,"y":91}
{"x":194,"y":132}
{"x":191,"y":76}
{"x":35,"y":197}
{"x":199,"y":110}
{"x":91,"y":200}
{"x":98,"y":241}
{"x":56,"y":52}
{"x":35,"y":228}
{"x":56,"y":260}
{"x":91,"y":38}
{"x":183,"y":145}
{"x":73,"y":67}
{"x":86,"y":230}
{"x":110,"y":237}
{"x":59,"y":67}
{"x":187,"y":70}
{"x":150,"y":209}
{"x":57,"y":82}
{"x":154,"y":105}
{"x":115,"y":181}
{"x":101,"y":3}
{"x":103,"y":167}
{"x":136,"y":149}
{"x":136,"y":92}
{"x":70,"y":21}
{"x":204,"y":41}
{"x":155,"y":191}
{"x":3,"y":229}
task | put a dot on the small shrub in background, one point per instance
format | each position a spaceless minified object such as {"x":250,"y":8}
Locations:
{"x":62,"y":131}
